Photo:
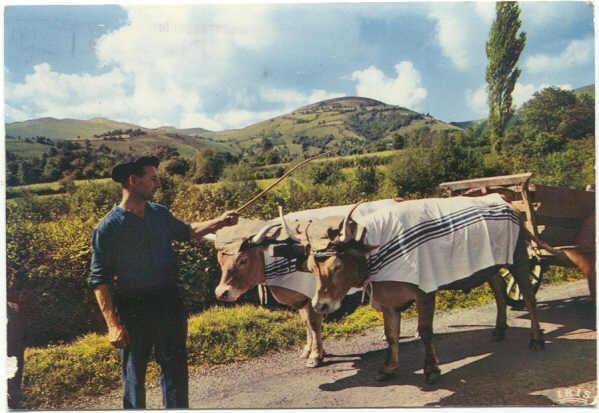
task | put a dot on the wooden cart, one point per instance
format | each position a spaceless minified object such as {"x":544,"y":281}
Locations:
{"x":557,"y":220}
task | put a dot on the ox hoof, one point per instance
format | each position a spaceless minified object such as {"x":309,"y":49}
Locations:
{"x":382,"y":376}
{"x":386,"y":373}
{"x":536,"y":345}
{"x":498,"y":334}
{"x":432,"y":376}
{"x":314,"y":362}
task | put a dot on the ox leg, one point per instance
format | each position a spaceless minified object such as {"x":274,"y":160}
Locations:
{"x":497,"y":284}
{"x":586,"y":264}
{"x":520,"y":272}
{"x":392,"y":321}
{"x":314,"y":324}
{"x":304,"y":315}
{"x":426,"y":310}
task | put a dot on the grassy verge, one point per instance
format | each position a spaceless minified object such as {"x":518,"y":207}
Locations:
{"x":89,"y":366}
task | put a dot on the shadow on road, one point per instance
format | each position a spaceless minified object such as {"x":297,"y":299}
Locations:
{"x":480,"y":372}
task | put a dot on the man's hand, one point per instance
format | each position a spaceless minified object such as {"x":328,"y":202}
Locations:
{"x":118,"y":336}
{"x":228,"y":218}
{"x":199,"y":229}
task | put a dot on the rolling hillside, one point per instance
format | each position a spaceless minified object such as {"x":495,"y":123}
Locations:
{"x":588,"y":90}
{"x":343,"y":125}
{"x":64,"y":128}
{"x":100,"y":131}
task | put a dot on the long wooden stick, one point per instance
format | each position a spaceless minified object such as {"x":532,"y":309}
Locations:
{"x":255,"y":198}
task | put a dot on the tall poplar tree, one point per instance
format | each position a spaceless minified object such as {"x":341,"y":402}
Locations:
{"x":503,"y":51}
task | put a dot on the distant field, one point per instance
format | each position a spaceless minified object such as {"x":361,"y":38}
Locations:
{"x":25,"y":149}
{"x":381,"y":154}
{"x":46,"y":188}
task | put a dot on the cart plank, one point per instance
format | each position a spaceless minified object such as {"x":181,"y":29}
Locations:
{"x":505,"y":180}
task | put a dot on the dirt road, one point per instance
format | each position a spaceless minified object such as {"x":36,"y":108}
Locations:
{"x":475,"y":370}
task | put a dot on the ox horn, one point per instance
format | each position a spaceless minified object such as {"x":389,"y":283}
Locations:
{"x":259,"y":237}
{"x":210,"y":238}
{"x":286,"y":226}
{"x":345,"y":230}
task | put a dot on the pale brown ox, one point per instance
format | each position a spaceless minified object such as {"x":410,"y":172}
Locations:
{"x":242,"y":266}
{"x":584,"y":254}
{"x":344,"y":265}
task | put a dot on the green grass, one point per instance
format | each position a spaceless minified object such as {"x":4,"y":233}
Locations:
{"x":88,"y":367}
{"x":25,"y":149}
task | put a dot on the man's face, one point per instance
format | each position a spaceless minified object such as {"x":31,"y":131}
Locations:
{"x":146,"y":185}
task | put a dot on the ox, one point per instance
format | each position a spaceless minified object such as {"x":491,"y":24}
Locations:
{"x":338,"y":258}
{"x":242,"y":256}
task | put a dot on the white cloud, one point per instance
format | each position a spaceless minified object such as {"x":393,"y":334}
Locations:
{"x":161,"y":65}
{"x":48,"y":93}
{"x":477,"y":99}
{"x":540,"y":14}
{"x":293,"y":98}
{"x":235,"y":118}
{"x":462,"y":30}
{"x":578,"y":52}
{"x":404,"y":90}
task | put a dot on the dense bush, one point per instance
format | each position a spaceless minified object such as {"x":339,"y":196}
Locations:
{"x":414,"y":172}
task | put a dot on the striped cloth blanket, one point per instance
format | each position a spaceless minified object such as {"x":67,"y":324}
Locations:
{"x":433,"y":242}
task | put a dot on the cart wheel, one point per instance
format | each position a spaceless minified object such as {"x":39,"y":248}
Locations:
{"x":514,"y":295}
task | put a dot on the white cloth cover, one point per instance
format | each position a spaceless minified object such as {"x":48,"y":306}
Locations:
{"x":433,"y":242}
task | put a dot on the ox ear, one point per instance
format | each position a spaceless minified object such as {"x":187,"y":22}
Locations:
{"x":359,"y":233}
{"x":355,"y":232}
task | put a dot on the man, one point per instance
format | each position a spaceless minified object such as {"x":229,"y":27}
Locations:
{"x":133,"y":274}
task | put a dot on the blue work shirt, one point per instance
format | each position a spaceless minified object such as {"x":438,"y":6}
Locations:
{"x":134,"y":254}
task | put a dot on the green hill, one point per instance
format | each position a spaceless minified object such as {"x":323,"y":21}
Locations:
{"x":21,"y":136}
{"x":343,"y":125}
{"x":588,"y":90}
{"x":64,"y":129}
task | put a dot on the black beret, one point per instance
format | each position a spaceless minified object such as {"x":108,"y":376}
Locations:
{"x":132,"y":165}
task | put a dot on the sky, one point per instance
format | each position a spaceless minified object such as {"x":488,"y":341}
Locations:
{"x":228,"y":66}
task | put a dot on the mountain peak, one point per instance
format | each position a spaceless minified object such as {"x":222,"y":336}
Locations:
{"x":345,"y":101}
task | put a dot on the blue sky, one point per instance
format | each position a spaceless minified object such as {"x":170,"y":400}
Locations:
{"x":223,"y":67}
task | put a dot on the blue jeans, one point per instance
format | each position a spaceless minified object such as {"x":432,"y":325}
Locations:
{"x":157,"y":324}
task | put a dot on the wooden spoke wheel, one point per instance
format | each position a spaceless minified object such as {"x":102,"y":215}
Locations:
{"x":515,"y":298}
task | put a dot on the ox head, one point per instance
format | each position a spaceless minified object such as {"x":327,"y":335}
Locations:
{"x":337,"y":259}
{"x":240,"y":252}
{"x":241,"y":258}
